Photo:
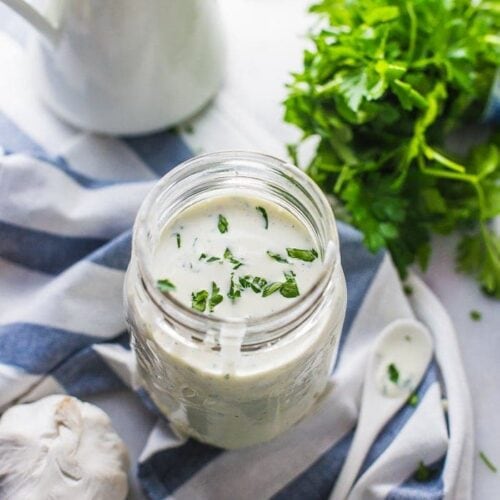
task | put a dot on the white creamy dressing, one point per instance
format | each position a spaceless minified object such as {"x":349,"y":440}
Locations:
{"x":195,"y":232}
{"x":406,"y":352}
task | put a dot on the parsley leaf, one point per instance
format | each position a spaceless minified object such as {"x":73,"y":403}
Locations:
{"x":210,"y":259}
{"x":262,"y":210}
{"x":178,"y":239}
{"x":234,"y":289}
{"x":413,"y":399}
{"x":393,"y":373}
{"x":228,"y":255}
{"x":382,"y":87}
{"x":165,"y":285}
{"x":277,"y":257}
{"x":289,"y":288}
{"x":256,"y":283}
{"x":423,"y":474}
{"x":475,"y":315}
{"x":305,"y":255}
{"x":271,"y":288}
{"x":199,"y":300}
{"x":223,"y":224}
{"x":215,"y":297}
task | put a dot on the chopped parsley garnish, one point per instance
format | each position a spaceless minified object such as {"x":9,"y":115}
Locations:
{"x":475,"y":315}
{"x":178,"y":239}
{"x":264,"y":215}
{"x":407,"y":289}
{"x":234,"y":289}
{"x":165,"y":285}
{"x":271,"y":288}
{"x":223,"y":224}
{"x":199,"y":300}
{"x":393,"y":373}
{"x":305,"y":255}
{"x":204,"y":256}
{"x":256,"y":283}
{"x":289,"y":288}
{"x":228,"y":255}
{"x":277,"y":257}
{"x":487,"y":462}
{"x":215,"y":297}
{"x":423,"y":474}
{"x":413,"y":399}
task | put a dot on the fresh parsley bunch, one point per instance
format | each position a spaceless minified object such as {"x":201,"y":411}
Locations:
{"x":383,"y":86}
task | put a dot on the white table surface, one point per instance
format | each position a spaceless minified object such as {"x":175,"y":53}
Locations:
{"x":265,"y":41}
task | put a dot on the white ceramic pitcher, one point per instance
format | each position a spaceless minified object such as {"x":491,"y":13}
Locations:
{"x":125,"y":66}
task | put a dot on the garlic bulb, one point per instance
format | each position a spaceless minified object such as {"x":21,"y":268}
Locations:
{"x":61,"y":448}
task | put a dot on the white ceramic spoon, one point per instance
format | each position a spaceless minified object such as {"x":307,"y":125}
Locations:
{"x":396,"y":365}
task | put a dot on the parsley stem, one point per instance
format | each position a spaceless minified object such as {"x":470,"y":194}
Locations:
{"x":413,"y":30}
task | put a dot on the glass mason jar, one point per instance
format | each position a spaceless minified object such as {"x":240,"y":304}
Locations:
{"x":234,"y":382}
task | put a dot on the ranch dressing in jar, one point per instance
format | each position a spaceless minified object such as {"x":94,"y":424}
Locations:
{"x":235,"y":297}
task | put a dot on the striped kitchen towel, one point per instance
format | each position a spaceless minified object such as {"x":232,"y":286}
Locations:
{"x":67,"y":203}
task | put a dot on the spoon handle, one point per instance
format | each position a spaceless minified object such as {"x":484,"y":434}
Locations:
{"x":363,"y":439}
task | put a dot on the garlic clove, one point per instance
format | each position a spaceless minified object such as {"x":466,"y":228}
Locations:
{"x":59,"y":448}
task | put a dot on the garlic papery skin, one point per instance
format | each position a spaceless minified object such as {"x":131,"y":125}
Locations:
{"x":61,"y":448}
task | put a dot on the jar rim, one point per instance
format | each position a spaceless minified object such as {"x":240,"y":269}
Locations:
{"x":274,"y":324}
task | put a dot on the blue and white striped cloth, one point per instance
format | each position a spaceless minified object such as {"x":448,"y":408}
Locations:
{"x":64,"y":247}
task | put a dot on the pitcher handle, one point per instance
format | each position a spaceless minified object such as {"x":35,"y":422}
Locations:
{"x":32,"y":16}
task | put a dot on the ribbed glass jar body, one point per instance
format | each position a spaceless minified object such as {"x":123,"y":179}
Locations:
{"x":231,"y":382}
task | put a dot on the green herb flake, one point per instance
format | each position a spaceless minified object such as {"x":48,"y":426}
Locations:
{"x":256,"y":283}
{"x":393,"y":373}
{"x":488,"y":462}
{"x":277,"y":257}
{"x":271,"y":288}
{"x":234,"y":289}
{"x":475,"y":315}
{"x":407,"y":289}
{"x":289,"y":288}
{"x":203,"y":256}
{"x":228,"y":255}
{"x":178,"y":239}
{"x":215,"y":297}
{"x":305,"y":255}
{"x":199,"y":300}
{"x":165,"y":285}
{"x":213,"y":259}
{"x":423,"y":474}
{"x":223,"y":224}
{"x":413,"y":399}
{"x":263,"y":212}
